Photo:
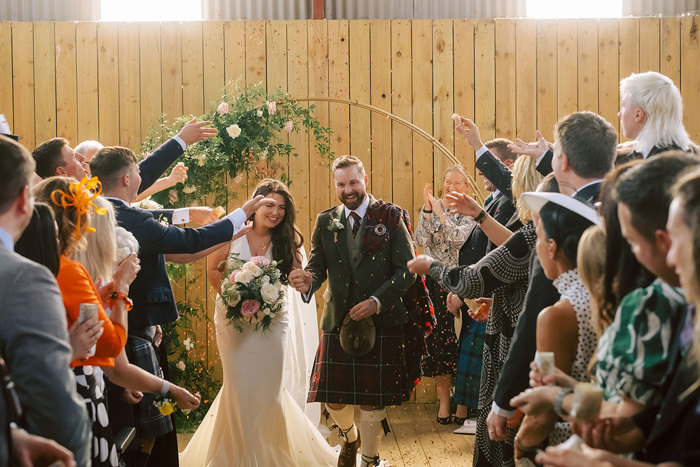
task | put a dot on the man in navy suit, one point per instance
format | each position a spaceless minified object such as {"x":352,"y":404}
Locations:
{"x":154,"y":304}
{"x":56,"y":157}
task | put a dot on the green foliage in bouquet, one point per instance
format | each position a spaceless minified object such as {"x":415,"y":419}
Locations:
{"x":252,"y":128}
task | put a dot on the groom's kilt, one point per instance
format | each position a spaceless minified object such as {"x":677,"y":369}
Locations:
{"x":377,"y":378}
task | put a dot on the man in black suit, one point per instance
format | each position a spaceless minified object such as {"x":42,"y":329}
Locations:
{"x":584,"y":152}
{"x":154,"y":304}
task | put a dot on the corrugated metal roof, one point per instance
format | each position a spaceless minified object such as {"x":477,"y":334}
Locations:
{"x":89,"y":10}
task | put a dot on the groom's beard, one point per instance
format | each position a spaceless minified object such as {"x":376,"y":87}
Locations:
{"x":355,"y":200}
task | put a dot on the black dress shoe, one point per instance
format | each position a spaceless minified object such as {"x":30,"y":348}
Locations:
{"x":370,"y":461}
{"x":348,"y":453}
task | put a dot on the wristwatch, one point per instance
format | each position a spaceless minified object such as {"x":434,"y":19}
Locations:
{"x":481,"y":217}
{"x":558,"y":409}
{"x":124,"y":298}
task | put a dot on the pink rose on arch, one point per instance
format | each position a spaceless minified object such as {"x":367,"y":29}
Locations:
{"x":259,"y":260}
{"x":232,"y":277}
{"x":222,"y":108}
{"x":180,"y":365}
{"x":288,"y":127}
{"x":271,"y":107}
{"x":249,"y":308}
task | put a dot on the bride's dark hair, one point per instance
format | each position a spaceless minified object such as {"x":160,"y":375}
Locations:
{"x":286,"y":237}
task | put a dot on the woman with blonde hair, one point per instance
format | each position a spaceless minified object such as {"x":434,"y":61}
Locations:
{"x":442,"y":234}
{"x":651,"y":112}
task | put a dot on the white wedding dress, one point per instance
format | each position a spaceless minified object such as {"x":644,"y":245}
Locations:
{"x":255,"y":421}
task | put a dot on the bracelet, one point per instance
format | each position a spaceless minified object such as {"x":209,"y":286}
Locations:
{"x":124,"y":298}
{"x":427,"y":211}
{"x":558,"y":409}
{"x":165,"y":387}
{"x":481,"y":217}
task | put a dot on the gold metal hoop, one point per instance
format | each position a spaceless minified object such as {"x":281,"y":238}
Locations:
{"x":437,"y":144}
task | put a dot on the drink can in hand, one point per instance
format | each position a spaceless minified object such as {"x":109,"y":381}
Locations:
{"x":545,"y":363}
{"x":87,"y":310}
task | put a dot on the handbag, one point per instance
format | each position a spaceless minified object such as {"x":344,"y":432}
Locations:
{"x":357,"y":337}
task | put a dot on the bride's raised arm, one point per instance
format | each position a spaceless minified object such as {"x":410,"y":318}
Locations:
{"x":214,"y":273}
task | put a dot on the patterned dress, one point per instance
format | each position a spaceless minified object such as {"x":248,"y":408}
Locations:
{"x":571,"y":289}
{"x":442,"y":241}
{"x":633,"y":352}
{"x":503,"y":275}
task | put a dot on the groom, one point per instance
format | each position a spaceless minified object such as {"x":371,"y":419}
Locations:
{"x":362,"y":246}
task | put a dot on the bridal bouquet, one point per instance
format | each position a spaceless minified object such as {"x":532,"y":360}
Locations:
{"x":252,"y":292}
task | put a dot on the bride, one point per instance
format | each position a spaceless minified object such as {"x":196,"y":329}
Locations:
{"x":254,"y":420}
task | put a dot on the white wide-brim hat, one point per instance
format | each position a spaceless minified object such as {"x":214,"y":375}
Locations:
{"x":535,"y":201}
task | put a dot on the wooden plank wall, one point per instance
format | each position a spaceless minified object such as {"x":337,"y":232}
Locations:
{"x":110,"y":82}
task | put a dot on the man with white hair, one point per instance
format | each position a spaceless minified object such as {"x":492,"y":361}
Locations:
{"x":651,"y":112}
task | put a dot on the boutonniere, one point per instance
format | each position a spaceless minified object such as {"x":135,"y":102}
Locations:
{"x":335,"y":226}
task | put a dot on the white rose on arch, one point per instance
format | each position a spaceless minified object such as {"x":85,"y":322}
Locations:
{"x":234,"y":131}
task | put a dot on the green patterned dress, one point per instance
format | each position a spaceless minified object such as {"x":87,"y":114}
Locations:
{"x":633,"y":352}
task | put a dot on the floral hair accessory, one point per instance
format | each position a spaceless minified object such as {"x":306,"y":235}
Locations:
{"x":80,"y":197}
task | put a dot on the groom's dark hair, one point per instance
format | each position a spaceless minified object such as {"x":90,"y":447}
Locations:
{"x":347,"y":161}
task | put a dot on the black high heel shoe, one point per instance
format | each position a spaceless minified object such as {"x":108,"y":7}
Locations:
{"x":444,"y":420}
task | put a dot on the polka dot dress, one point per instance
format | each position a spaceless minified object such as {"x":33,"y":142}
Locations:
{"x":571,"y":289}
{"x":104,"y":451}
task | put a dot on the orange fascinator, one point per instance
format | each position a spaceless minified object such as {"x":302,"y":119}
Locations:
{"x":80,"y":195}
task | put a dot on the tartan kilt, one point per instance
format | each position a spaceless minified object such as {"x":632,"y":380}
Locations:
{"x":148,"y":419}
{"x":378,"y":378}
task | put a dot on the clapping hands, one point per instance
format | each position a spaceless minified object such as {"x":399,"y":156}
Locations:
{"x":430,"y":203}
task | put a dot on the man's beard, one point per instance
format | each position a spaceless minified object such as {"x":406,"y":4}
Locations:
{"x":355,"y":203}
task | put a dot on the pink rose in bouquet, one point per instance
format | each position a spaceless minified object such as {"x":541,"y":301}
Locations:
{"x":260,"y":260}
{"x":249,"y":308}
{"x":232,"y":277}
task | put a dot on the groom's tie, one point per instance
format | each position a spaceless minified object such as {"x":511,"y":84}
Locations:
{"x":488,"y":200}
{"x":355,"y":223}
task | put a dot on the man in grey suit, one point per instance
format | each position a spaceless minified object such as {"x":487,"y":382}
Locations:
{"x":34,"y":330}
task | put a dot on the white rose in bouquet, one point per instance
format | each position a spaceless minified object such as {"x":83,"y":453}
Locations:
{"x":269,"y":293}
{"x":244,"y":276}
{"x":252,"y":268}
{"x":278,"y":285}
